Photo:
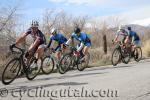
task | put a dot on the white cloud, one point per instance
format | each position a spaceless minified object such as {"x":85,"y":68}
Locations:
{"x":117,"y":3}
{"x":144,"y":22}
{"x":135,"y":11}
{"x":139,"y":16}
{"x":80,"y":2}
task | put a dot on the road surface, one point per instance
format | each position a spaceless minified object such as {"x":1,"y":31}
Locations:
{"x":123,"y":82}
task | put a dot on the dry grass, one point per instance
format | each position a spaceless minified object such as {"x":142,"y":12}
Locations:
{"x":98,"y":58}
{"x":146,"y":48}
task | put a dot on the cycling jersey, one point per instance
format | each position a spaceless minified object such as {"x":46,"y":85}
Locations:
{"x":83,"y":37}
{"x":121,"y":36}
{"x":133,"y":35}
{"x":60,"y":38}
{"x":39,"y":34}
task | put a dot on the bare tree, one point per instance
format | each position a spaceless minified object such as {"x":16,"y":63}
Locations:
{"x":80,"y":21}
{"x":49,"y":20}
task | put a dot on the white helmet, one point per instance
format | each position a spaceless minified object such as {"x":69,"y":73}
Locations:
{"x":121,"y":27}
{"x":53,"y":31}
{"x":34,"y":24}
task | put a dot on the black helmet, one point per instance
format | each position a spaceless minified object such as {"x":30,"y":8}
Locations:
{"x":129,"y":28}
{"x":77,"y":30}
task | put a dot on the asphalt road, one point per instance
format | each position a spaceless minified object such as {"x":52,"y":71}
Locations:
{"x":123,"y":82}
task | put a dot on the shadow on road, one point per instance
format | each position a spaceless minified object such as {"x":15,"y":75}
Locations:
{"x":106,"y":67}
{"x":65,"y":76}
{"x":143,"y":95}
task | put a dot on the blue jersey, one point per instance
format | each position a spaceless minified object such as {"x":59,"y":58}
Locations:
{"x":60,"y":38}
{"x":83,"y":37}
{"x":134,"y":35}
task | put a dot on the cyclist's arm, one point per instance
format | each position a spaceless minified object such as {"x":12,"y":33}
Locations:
{"x":69,"y":41}
{"x":36,"y":43}
{"x":133,"y":39}
{"x":50,"y":41}
{"x":127,"y":39}
{"x":80,"y":48}
{"x":116,"y":38}
{"x":57,"y":47}
{"x":49,"y":44}
{"x":21,"y":38}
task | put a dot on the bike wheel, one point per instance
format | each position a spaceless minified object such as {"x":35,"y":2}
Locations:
{"x":33,"y":68}
{"x":82,"y":63}
{"x":116,"y":57}
{"x":126,"y":57}
{"x":65,"y":63}
{"x":47,"y":65}
{"x":11,"y":71}
{"x":137,"y":54}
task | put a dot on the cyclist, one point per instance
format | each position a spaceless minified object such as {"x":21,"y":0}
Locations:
{"x":132,"y":38}
{"x":121,"y":35}
{"x":83,"y":38}
{"x":39,"y":41}
{"x":60,"y":39}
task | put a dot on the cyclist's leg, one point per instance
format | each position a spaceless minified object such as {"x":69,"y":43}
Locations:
{"x":34,"y":46}
{"x":86,"y":48}
{"x":29,"y":53}
{"x":58,"y":52}
{"x":40,"y":51}
{"x":63,"y":48}
{"x":136,"y":44}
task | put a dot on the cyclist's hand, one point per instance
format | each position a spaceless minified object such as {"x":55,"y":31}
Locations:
{"x":45,"y":49}
{"x":52,"y":49}
{"x":112,"y":40}
{"x":77,"y":53}
{"x":12,"y":46}
{"x":66,"y":45}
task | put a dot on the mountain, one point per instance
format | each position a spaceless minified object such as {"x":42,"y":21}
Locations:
{"x":139,"y":28}
{"x":143,"y":22}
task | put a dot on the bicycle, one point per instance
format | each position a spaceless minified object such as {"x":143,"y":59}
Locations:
{"x":121,"y":53}
{"x":48,"y":63}
{"x":136,"y":53}
{"x":71,"y":59}
{"x":17,"y":64}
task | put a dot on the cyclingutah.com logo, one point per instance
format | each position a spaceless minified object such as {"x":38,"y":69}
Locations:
{"x":58,"y":94}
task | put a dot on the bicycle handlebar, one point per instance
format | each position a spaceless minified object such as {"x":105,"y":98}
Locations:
{"x":11,"y":49}
{"x":72,"y":47}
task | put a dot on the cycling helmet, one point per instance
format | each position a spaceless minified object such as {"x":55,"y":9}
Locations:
{"x":53,"y":31}
{"x":129,"y":28}
{"x":121,"y":27}
{"x":77,"y":30}
{"x":34,"y":24}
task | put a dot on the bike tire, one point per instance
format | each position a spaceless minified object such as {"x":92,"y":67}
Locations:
{"x":50,"y":69}
{"x":112,"y":57}
{"x":29,"y":72}
{"x":8,"y":66}
{"x":126,"y":59}
{"x":62,"y":65}
{"x":80,"y":65}
{"x":135,"y":58}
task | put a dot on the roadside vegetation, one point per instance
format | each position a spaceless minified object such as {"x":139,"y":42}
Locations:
{"x":10,"y":29}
